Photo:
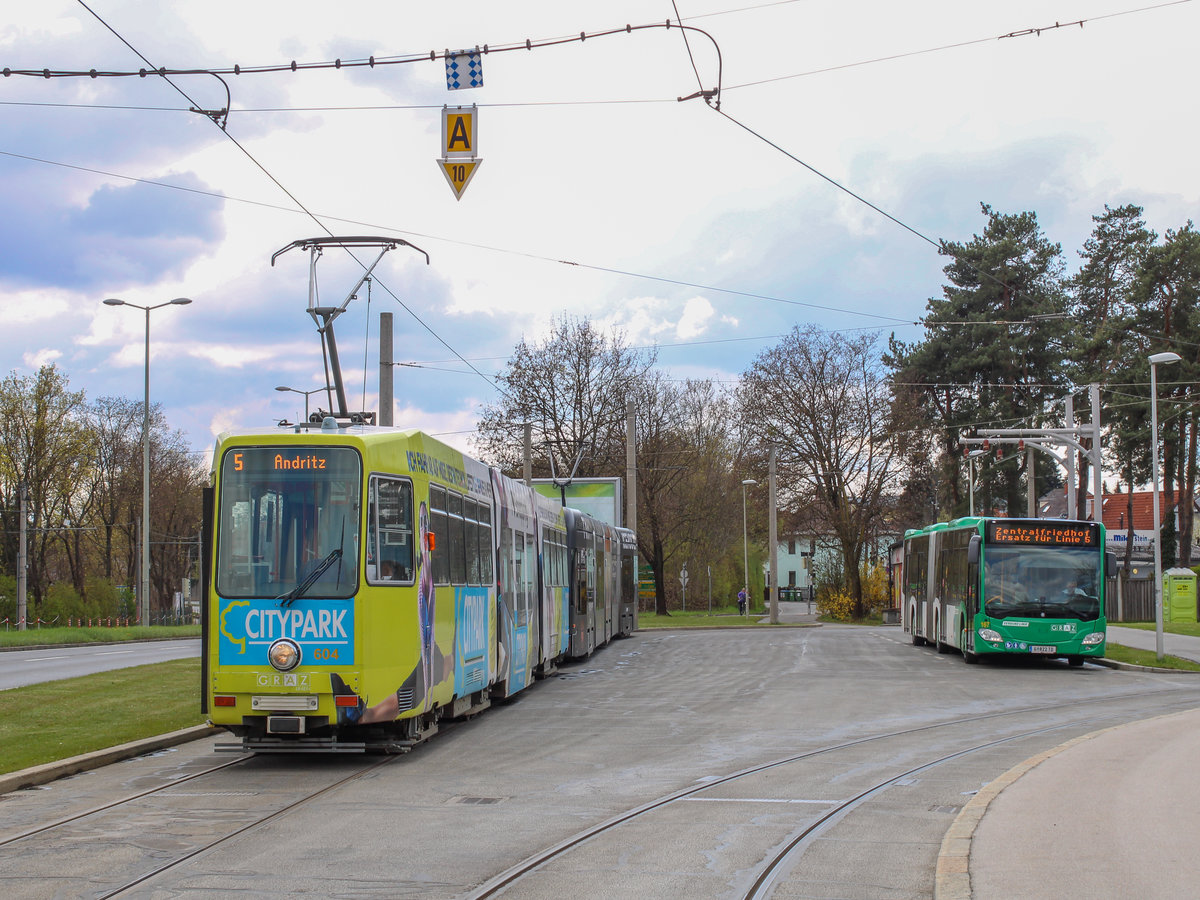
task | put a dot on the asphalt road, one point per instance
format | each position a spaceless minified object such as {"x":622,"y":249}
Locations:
{"x":22,"y":667}
{"x":848,"y":743}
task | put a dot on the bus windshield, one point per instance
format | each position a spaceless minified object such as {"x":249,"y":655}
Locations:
{"x":288,"y":522}
{"x":1042,"y":582}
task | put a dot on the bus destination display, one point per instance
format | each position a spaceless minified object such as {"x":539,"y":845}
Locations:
{"x":1046,"y":534}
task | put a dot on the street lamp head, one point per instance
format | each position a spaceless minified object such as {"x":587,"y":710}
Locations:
{"x":180,"y":301}
{"x":284,"y":387}
{"x":749,"y":481}
{"x":113,"y":301}
{"x":1158,"y":359}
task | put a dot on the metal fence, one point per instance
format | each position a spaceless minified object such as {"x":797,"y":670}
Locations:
{"x":1129,"y":601}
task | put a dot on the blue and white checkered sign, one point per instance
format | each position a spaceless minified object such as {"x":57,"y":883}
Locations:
{"x":464,"y":70}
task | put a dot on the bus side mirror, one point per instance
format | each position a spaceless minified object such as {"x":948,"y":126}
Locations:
{"x":1110,"y":565}
{"x":973,"y":550}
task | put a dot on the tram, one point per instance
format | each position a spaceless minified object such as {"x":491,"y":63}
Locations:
{"x":986,"y":586}
{"x":364,"y":582}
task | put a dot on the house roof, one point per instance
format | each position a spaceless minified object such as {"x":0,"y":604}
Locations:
{"x":1116,"y":509}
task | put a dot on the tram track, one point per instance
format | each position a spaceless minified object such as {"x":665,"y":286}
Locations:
{"x":779,"y":860}
{"x":250,"y":826}
{"x":70,"y":823}
{"x":114,"y":804}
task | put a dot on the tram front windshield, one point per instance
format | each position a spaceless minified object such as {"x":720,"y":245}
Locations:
{"x":1042,"y":582}
{"x":288,"y":522}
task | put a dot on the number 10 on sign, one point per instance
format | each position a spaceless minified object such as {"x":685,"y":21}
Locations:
{"x":459,"y":173}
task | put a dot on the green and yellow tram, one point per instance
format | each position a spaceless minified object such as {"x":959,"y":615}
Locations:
{"x":987,"y":586}
{"x":363,"y":583}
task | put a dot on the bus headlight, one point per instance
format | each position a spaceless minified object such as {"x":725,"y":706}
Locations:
{"x":284,"y":655}
{"x":1096,"y":637}
{"x":989,"y":635}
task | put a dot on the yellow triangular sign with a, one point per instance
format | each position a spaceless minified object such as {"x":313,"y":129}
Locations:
{"x":459,"y":173}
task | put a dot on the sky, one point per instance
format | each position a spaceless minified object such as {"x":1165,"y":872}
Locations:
{"x":704,"y":233}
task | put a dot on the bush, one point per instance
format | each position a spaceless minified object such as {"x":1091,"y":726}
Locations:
{"x":104,"y":598}
{"x":63,"y":602}
{"x":8,"y":598}
{"x":835,"y":603}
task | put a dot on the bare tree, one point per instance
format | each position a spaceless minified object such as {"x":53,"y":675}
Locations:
{"x":572,"y":387}
{"x":43,"y":443}
{"x":824,"y":401}
{"x":684,"y":450}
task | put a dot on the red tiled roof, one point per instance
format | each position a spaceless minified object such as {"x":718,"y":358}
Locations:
{"x":1116,"y":509}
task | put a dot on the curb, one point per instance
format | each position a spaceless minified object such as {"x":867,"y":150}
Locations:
{"x":36,"y":775}
{"x":952,"y":879}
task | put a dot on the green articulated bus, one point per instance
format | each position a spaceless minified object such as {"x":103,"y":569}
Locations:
{"x":1007,"y":586}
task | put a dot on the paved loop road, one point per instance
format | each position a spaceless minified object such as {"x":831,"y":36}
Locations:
{"x":644,"y":718}
{"x":22,"y":667}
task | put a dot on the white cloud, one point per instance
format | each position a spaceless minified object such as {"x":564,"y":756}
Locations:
{"x":577,"y":198}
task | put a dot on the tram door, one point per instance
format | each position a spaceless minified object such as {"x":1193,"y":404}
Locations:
{"x":583,"y":592}
{"x":600,"y":625}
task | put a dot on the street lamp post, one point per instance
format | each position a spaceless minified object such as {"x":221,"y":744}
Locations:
{"x":746,"y":545}
{"x":144,"y":600}
{"x":1156,"y":360}
{"x":306,"y":394}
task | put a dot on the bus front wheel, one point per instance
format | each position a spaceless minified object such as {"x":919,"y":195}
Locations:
{"x":969,"y":657}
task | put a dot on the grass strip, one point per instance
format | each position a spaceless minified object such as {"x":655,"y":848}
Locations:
{"x":36,"y":637}
{"x":42,"y":723}
{"x":1134,"y":657}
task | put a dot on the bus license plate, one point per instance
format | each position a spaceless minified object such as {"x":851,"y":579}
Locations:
{"x":1041,"y":648}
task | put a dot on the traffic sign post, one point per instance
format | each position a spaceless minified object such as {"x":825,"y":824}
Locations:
{"x":460,"y":146}
{"x":683,"y":580}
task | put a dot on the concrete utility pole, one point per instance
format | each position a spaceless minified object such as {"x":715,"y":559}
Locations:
{"x":1097,"y":466}
{"x":386,"y":369}
{"x":1072,"y":491}
{"x":1031,"y":476}
{"x":773,"y":537}
{"x":630,"y":468}
{"x":22,"y":576}
{"x":528,"y":454}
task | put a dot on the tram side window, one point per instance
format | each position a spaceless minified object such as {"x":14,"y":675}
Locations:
{"x":458,"y":540}
{"x":485,"y":545}
{"x":521,"y":578}
{"x":389,"y":531}
{"x":471,"y":515}
{"x":440,"y":526}
{"x":628,"y":580}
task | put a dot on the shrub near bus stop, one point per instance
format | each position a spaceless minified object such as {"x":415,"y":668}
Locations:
{"x":835,"y":600}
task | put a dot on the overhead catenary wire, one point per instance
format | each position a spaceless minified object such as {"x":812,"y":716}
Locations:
{"x":528,"y":44}
{"x":461,"y":243}
{"x":292,"y":197}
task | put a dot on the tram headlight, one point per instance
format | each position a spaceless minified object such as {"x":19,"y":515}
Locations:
{"x":990,"y":635}
{"x":1096,"y":637}
{"x":284,"y":655}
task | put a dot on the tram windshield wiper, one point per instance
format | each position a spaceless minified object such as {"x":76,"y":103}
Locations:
{"x":302,"y":588}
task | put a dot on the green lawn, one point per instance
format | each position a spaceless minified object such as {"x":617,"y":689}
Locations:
{"x":41,"y":723}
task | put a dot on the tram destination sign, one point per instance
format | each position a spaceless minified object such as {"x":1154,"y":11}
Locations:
{"x":1053,"y":534}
